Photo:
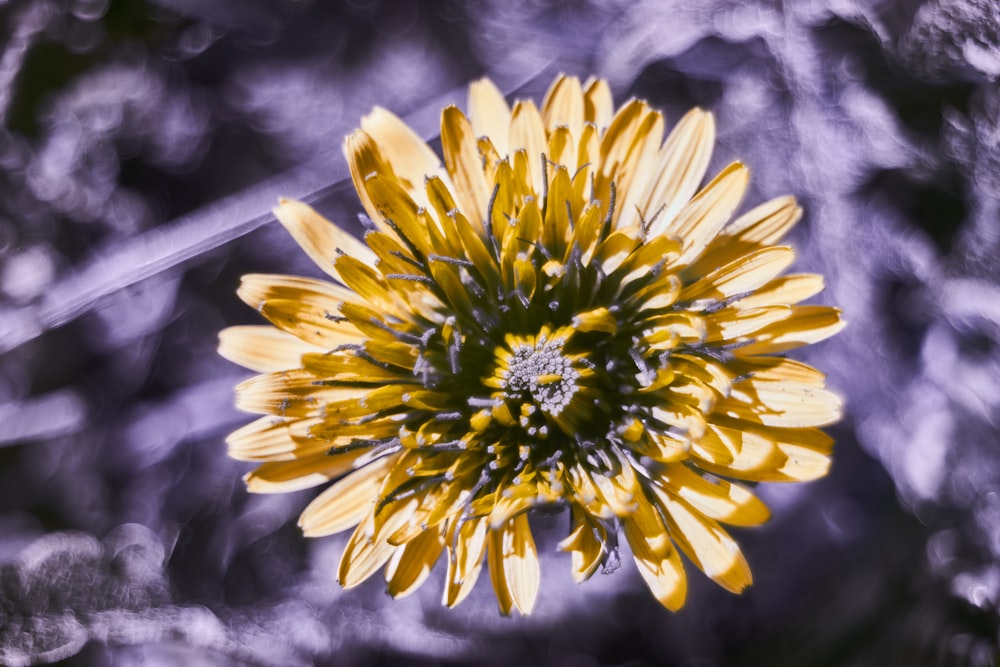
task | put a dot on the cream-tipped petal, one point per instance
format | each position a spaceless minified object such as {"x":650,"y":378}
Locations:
{"x":520,"y":563}
{"x":682,"y":163}
{"x":413,"y":565}
{"x":321,"y":239}
{"x":599,"y":106}
{"x":490,"y":114}
{"x":262,"y":348}
{"x":461,"y":157}
{"x":411,"y":158}
{"x":346,"y":502}
{"x":304,"y":472}
{"x":527,"y":133}
{"x":563,"y":106}
{"x":706,"y":214}
{"x":708,"y":546}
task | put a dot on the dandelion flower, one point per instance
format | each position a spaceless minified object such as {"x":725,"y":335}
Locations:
{"x":557,"y":316}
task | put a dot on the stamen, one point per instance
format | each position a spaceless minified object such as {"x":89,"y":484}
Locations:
{"x":411,"y":277}
{"x":450,"y":260}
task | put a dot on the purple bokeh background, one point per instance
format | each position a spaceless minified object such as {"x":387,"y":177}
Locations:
{"x":142,"y":145}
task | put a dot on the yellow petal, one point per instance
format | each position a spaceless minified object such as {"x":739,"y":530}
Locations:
{"x":301,"y":473}
{"x":465,"y":560}
{"x":700,"y":221}
{"x":785,"y":290}
{"x":411,"y":565}
{"x":412,"y":160}
{"x":805,"y":325}
{"x":564,"y":106}
{"x":717,"y":498}
{"x":262,"y":348}
{"x":781,"y":403}
{"x":288,"y":394}
{"x":498,"y":576}
{"x":461,"y":157}
{"x":586,"y":544}
{"x":489,"y":114}
{"x":274,"y":439}
{"x":599,"y":107}
{"x":258,"y":288}
{"x":320,"y":238}
{"x":743,"y":275}
{"x":520,"y":563}
{"x":681,"y":166}
{"x":346,"y":502}
{"x":528,"y":133}
{"x":767,"y":223}
{"x":707,"y":545}
{"x":663,"y":573}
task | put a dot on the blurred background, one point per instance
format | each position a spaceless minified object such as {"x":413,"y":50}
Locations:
{"x":142,"y":144}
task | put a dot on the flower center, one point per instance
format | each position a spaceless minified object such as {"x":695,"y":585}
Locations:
{"x":541,"y":372}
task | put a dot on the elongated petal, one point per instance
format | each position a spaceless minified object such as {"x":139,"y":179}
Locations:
{"x":461,"y":156}
{"x":262,"y":348}
{"x":411,"y":158}
{"x":346,"y":502}
{"x":701,"y":220}
{"x":490,"y":114}
{"x":414,"y":563}
{"x":303,"y":472}
{"x":706,"y":544}
{"x":320,"y":238}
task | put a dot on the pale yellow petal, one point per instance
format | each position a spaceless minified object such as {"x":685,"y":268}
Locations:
{"x":262,"y":348}
{"x":490,"y":114}
{"x":699,"y":222}
{"x":411,"y":159}
{"x":321,"y":239}
{"x":411,"y":565}
{"x":708,"y":546}
{"x":346,"y":502}
{"x":304,"y":472}
{"x":599,"y":107}
{"x":716,"y":498}
{"x":274,"y":439}
{"x":682,"y":162}
{"x":563,"y":106}
{"x":461,"y":157}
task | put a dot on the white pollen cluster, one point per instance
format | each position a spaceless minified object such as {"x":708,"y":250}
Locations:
{"x":542,"y":372}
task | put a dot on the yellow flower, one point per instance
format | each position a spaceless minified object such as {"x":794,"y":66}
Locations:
{"x":557,"y":316}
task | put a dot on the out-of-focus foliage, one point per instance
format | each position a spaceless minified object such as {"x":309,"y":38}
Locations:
{"x":141,"y":145}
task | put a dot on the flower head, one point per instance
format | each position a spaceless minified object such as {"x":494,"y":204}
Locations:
{"x":557,"y":316}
